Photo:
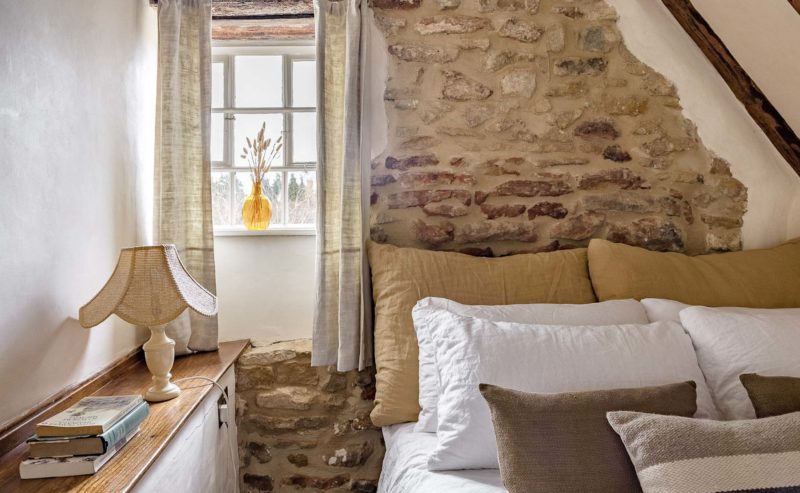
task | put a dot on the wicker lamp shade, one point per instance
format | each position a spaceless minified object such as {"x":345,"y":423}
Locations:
{"x":149,"y":287}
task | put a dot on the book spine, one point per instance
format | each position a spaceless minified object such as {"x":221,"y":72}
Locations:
{"x":125,"y":426}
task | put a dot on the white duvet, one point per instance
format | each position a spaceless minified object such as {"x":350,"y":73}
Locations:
{"x":405,"y":467}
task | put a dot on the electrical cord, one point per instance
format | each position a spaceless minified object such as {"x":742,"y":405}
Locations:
{"x":235,"y":470}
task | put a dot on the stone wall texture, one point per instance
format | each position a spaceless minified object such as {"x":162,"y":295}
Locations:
{"x":526,"y":125}
{"x":304,"y":428}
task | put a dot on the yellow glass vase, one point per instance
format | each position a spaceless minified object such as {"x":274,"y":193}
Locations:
{"x":256,"y":210}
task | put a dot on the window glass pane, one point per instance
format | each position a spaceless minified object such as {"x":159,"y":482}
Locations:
{"x":302,"y":196}
{"x":271,"y":187}
{"x":259,"y":81}
{"x":217,"y":137}
{"x":247,"y":125}
{"x":221,"y":198}
{"x":217,"y":85}
{"x":304,"y":83}
{"x":304,"y":137}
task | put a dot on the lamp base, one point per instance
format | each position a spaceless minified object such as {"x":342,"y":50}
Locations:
{"x":159,"y":353}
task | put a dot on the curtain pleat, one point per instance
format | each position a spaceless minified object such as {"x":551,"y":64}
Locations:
{"x":182,"y":177}
{"x":342,"y":320}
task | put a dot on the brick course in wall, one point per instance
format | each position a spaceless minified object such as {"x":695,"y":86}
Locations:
{"x":304,"y":428}
{"x":526,"y":125}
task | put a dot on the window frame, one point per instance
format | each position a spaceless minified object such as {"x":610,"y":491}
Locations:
{"x":290,"y":51}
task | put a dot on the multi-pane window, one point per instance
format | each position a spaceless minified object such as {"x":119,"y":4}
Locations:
{"x":275,"y":85}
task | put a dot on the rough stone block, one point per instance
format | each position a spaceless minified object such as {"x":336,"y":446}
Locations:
{"x":521,"y":30}
{"x":433,"y":234}
{"x":451,"y":24}
{"x":651,"y":232}
{"x":422,"y":53}
{"x":458,"y":87}
{"x":578,"y":228}
{"x":580,"y":66}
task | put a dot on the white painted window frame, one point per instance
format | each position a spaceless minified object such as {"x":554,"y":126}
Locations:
{"x":224,"y":51}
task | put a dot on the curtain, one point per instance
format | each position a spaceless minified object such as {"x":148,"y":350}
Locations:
{"x":342,"y":333}
{"x":182,"y":178}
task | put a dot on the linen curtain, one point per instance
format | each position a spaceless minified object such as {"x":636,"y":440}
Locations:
{"x":342,"y":334}
{"x":182,"y":178}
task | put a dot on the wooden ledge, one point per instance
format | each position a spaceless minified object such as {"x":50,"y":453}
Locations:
{"x":125,"y":469}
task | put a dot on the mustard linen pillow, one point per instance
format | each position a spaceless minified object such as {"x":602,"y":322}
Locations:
{"x":766,"y":278}
{"x":403,"y":276}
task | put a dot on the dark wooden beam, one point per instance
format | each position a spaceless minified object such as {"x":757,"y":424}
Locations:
{"x":284,"y":29}
{"x":795,"y":4}
{"x":761,"y":110}
{"x":250,"y":9}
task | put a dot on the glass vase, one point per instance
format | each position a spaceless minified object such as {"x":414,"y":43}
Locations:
{"x":257,"y":209}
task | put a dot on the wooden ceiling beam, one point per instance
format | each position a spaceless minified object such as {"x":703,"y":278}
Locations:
{"x":282,"y":29}
{"x":744,"y":88}
{"x":253,"y":9}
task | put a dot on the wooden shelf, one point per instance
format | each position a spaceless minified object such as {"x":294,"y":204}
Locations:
{"x":123,"y":471}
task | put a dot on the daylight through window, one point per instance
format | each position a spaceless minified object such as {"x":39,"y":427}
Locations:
{"x":251,"y":86}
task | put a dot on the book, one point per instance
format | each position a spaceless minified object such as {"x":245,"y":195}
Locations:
{"x":88,"y":444}
{"x":54,"y":467}
{"x":92,"y":415}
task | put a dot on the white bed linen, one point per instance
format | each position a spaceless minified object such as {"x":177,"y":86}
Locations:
{"x":405,"y":467}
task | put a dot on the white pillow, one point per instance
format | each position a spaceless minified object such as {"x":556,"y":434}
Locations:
{"x":730,"y":342}
{"x":605,"y":313}
{"x":544,"y":358}
{"x":660,"y":310}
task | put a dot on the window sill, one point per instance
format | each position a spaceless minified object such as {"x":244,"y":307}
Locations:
{"x":276,"y":231}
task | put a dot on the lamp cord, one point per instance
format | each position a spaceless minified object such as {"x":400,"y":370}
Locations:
{"x":227,"y":426}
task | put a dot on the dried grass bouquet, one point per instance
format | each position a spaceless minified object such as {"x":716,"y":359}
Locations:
{"x":260,"y":153}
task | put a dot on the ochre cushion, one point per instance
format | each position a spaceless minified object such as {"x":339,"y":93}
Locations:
{"x":772,"y":396}
{"x":403,"y":276}
{"x":562,"y":442}
{"x":767,"y":278}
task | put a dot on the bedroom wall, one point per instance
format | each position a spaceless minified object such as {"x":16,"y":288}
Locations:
{"x":76,"y":128}
{"x":653,"y":36}
{"x":302,"y":427}
{"x":520,"y":125}
{"x":773,"y":209}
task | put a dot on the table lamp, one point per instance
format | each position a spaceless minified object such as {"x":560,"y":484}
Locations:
{"x":151,"y":287}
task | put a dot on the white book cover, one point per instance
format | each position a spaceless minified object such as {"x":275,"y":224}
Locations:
{"x":54,"y":467}
{"x":90,"y":416}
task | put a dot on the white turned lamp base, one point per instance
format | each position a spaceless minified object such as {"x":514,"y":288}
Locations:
{"x":159,"y":352}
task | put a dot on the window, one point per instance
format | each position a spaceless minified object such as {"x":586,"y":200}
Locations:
{"x":252,"y":85}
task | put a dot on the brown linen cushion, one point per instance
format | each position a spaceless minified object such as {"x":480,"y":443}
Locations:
{"x":767,"y":278}
{"x":403,"y":276}
{"x":562,"y":442}
{"x":697,"y":455}
{"x":772,"y":396}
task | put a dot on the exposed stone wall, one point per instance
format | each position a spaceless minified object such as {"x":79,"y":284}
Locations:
{"x":304,"y":428}
{"x":526,"y":125}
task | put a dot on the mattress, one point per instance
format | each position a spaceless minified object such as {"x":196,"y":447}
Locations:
{"x":405,"y":467}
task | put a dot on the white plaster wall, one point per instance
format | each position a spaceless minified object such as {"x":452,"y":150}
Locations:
{"x":654,"y":36}
{"x":764,"y":37}
{"x":77,"y":92}
{"x":265,"y":286}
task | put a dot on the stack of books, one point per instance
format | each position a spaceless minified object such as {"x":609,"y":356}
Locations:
{"x":84,"y":437}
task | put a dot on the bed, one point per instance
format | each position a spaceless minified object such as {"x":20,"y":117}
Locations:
{"x":405,"y":470}
{"x":425,"y":330}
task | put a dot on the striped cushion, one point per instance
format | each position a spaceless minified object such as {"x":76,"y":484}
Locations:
{"x":700,"y":456}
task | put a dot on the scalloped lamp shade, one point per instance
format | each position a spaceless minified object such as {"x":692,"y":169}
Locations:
{"x":150,"y":287}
